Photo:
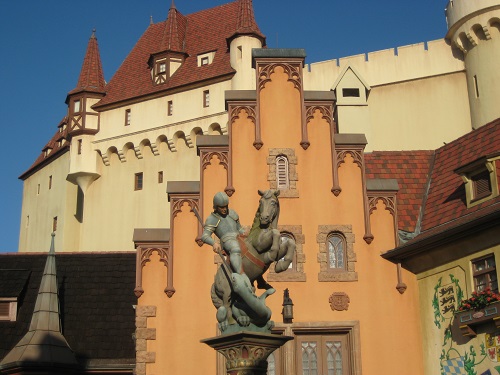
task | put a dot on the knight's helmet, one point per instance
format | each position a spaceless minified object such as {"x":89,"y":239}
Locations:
{"x":221,"y":199}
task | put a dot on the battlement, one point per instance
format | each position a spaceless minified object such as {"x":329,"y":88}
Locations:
{"x":462,"y":10}
{"x":388,"y":66}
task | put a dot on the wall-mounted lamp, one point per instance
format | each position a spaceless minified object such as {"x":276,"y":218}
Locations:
{"x":287,"y":311}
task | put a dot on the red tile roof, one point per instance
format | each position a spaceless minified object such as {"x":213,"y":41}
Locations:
{"x":411,"y":169}
{"x":91,"y":75}
{"x":206,"y":31}
{"x":446,"y":203}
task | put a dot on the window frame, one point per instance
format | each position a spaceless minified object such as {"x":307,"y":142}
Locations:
{"x":170,"y":108}
{"x":343,"y":242}
{"x":138,"y":181}
{"x":282,"y":172}
{"x":128,"y":117}
{"x":206,"y":98}
{"x":487,"y":271}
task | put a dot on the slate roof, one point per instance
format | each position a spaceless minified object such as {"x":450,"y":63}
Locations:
{"x":206,"y":31}
{"x":96,"y":298}
{"x":412,"y":170}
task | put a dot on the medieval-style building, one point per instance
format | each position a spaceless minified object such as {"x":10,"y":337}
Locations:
{"x":393,"y":229}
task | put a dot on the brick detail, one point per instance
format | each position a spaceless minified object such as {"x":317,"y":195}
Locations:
{"x":142,"y":335}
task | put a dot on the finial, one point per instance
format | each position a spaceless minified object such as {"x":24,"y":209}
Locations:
{"x":93,"y":34}
{"x":173,"y":5}
{"x":150,"y":19}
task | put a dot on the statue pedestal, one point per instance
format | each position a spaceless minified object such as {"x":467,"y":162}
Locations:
{"x":246,"y":352}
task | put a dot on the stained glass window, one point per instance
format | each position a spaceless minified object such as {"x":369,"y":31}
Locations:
{"x":336,"y":251}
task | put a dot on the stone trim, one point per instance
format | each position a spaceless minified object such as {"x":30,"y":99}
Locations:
{"x":325,"y":273}
{"x":297,"y":272}
{"x":142,"y":335}
{"x":293,"y":177}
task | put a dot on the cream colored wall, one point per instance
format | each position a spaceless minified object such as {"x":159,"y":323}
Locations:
{"x":415,"y":93}
{"x":241,"y":61}
{"x":41,"y":208}
{"x":434,"y":334}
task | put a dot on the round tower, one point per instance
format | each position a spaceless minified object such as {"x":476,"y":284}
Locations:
{"x":474,"y":28}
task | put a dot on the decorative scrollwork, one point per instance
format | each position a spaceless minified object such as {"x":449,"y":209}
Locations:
{"x":356,"y":155}
{"x":176,"y":205}
{"x":207,"y":157}
{"x":292,"y":70}
{"x":389,"y":202}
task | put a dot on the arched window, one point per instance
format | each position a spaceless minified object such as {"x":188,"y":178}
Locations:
{"x":336,"y":252}
{"x":282,"y":179}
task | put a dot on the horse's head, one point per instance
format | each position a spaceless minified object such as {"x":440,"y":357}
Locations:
{"x":268,"y":207}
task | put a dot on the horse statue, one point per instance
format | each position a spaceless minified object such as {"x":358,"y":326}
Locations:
{"x":233,"y":294}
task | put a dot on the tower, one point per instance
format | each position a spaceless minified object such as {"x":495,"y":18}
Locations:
{"x":246,"y":37}
{"x":474,"y":28}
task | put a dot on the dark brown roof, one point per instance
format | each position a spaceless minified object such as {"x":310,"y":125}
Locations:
{"x":411,"y":169}
{"x":206,"y":31}
{"x":96,"y":297}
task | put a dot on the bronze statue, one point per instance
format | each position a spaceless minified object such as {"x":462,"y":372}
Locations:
{"x":233,"y":293}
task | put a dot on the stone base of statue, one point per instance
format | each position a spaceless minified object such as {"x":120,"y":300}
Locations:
{"x":246,"y":352}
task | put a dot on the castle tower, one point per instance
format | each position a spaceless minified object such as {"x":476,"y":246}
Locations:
{"x":474,"y":28}
{"x":246,"y":37}
{"x":83,"y":121}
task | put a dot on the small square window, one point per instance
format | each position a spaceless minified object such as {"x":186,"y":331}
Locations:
{"x":162,"y":68}
{"x":350,"y":93}
{"x":128,"y":117}
{"x":160,"y":177}
{"x":77,"y":106}
{"x":204,"y":60}
{"x":481,"y":185}
{"x":138,"y":179}
{"x":485,"y":273}
{"x":170,"y":108}
{"x":206,"y":98}
{"x":8,"y":309}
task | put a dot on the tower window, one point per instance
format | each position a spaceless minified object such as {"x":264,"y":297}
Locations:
{"x":138,"y":179}
{"x":160,"y":177}
{"x":170,"y":108}
{"x":476,"y":87}
{"x":128,"y":117}
{"x":77,"y":106}
{"x":206,"y":98}
{"x":38,"y":190}
{"x":50,"y":182}
{"x":79,"y":147}
{"x":54,"y":224}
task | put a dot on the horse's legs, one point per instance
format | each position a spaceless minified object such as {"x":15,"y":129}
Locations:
{"x":272,"y":254}
{"x":288,"y":249}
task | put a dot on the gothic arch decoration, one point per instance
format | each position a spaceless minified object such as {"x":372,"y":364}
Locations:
{"x":251,"y":111}
{"x":144,"y":257}
{"x":293,"y":71}
{"x":177,"y":203}
{"x":389,"y":202}
{"x":354,"y":145}
{"x":206,"y":158}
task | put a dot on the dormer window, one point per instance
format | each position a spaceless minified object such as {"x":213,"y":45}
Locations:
{"x":205,"y":58}
{"x":480,"y":179}
{"x":162,"y":67}
{"x":8,"y":309}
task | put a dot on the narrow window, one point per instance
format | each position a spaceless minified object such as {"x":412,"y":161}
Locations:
{"x":206,"y":98}
{"x":27,"y":221}
{"x":204,"y":60}
{"x":54,"y":224}
{"x":128,"y":117}
{"x":336,"y":252}
{"x":160,"y":177}
{"x":476,"y":87}
{"x":170,"y":108}
{"x":138,"y":181}
{"x":282,"y":178}
{"x":38,"y":190}
{"x":481,"y":185}
{"x":485,"y":273}
{"x":50,"y":182}
{"x":350,"y":93}
{"x":77,"y":106}
{"x":79,"y":147}
{"x":240,"y":52}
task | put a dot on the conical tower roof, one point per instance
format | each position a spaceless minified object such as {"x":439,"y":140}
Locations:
{"x":43,"y":346}
{"x":91,"y":76}
{"x":175,"y":31}
{"x":246,"y":24}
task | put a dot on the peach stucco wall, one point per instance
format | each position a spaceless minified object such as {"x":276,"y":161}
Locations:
{"x":389,"y":321}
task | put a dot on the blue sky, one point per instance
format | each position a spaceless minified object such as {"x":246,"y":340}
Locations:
{"x":42,"y":45}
